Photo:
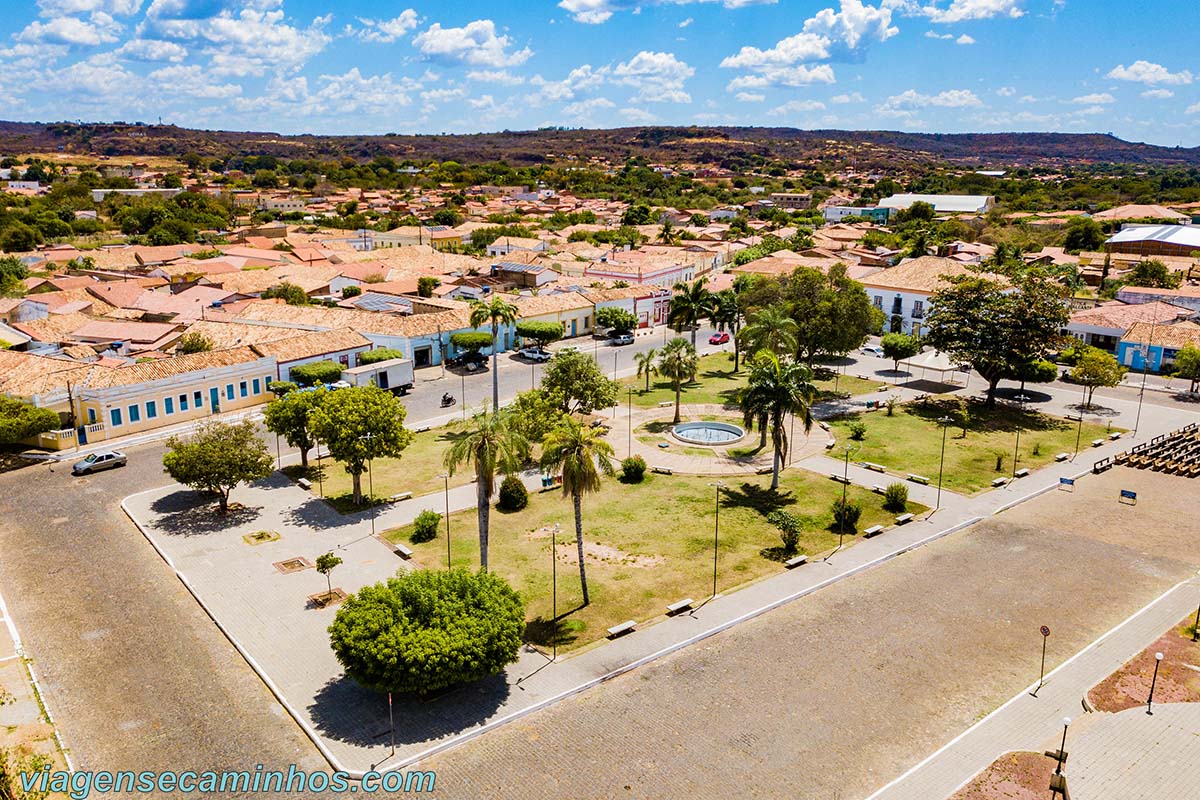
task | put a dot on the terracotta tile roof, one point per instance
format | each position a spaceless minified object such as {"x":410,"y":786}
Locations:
{"x":134,"y":332}
{"x":25,"y":374}
{"x":54,"y":328}
{"x":361,"y":321}
{"x":551,"y":303}
{"x":224,"y":334}
{"x":1122,"y":316}
{"x":163,"y":368}
{"x":122,"y":294}
{"x":924,"y":275}
{"x":307,"y":345}
{"x":1175,"y":337}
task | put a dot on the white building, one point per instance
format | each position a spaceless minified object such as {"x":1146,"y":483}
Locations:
{"x":942,"y":203}
{"x":903,"y":292}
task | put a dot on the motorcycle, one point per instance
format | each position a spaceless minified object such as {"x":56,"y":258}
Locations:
{"x":447,"y":400}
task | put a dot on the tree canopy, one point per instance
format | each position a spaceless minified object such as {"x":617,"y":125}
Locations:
{"x":380,"y":354}
{"x":20,"y":420}
{"x":316,"y":372}
{"x":543,"y":333}
{"x":218,"y":457}
{"x":360,"y":424}
{"x":288,"y":416}
{"x":619,"y":319}
{"x":579,"y":382}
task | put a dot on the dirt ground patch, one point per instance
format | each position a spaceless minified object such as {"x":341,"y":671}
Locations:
{"x":1178,"y":675}
{"x":1013,"y":776}
{"x":594,"y":552}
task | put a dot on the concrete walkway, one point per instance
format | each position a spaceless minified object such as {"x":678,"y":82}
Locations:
{"x":1102,"y":753}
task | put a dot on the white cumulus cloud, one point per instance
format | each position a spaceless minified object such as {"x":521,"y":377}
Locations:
{"x":1150,"y":73}
{"x":388,"y":30}
{"x":1099,"y":98}
{"x":659,"y":77}
{"x":964,"y":10}
{"x":475,"y":43}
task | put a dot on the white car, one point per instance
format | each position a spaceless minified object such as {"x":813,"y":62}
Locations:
{"x":534,"y":354}
{"x":872,"y":350}
{"x":108,"y":459}
{"x":622,"y":338}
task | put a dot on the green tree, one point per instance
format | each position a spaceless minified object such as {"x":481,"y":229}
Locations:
{"x":542,"y":333}
{"x":833,"y":313}
{"x":381,"y":354}
{"x":290,"y":293}
{"x":20,"y":420}
{"x":535,"y":413}
{"x":678,"y":363}
{"x":620,"y":320}
{"x":726,"y":314}
{"x":351,"y":291}
{"x":776,"y":389}
{"x":772,"y":330}
{"x":646,"y":365}
{"x":492,"y":444}
{"x":426,"y":284}
{"x":17,"y":237}
{"x":579,"y":382}
{"x":288,"y":416}
{"x":994,"y":327}
{"x":326,"y":564}
{"x":12,"y":275}
{"x":1096,"y":368}
{"x":217,"y":458}
{"x":1037,"y":371}
{"x":1187,"y":365}
{"x":496,"y":312}
{"x":471,"y":341}
{"x":691,"y":303}
{"x":899,"y":346}
{"x":315,"y":373}
{"x":193,"y":342}
{"x":1083,"y":233}
{"x":636,"y":215}
{"x":1153,"y":274}
{"x":448,"y":217}
{"x":358,"y":425}
{"x":580,"y":455}
{"x":425,"y":631}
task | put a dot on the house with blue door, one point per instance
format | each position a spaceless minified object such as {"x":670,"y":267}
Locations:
{"x":1147,"y":346}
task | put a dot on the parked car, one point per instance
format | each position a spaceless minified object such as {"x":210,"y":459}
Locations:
{"x":872,"y":350}
{"x":720,"y":337}
{"x":534,"y":354}
{"x":96,"y":462}
{"x":622,"y":338}
{"x":472,"y":359}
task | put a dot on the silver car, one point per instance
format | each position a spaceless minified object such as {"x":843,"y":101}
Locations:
{"x":106,"y":459}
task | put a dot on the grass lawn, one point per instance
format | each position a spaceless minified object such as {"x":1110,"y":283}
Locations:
{"x":910,"y":442}
{"x":717,"y":383}
{"x":649,"y":544}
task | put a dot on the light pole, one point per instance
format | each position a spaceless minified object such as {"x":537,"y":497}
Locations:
{"x":629,"y":443}
{"x":716,"y":533}
{"x":1150,"y":700}
{"x":944,"y":422}
{"x":1079,"y":430}
{"x":1145,"y":369}
{"x":445,"y":476}
{"x":463,"y":379}
{"x":615,"y":354}
{"x":554,"y":592}
{"x":1062,"y":750}
{"x":1017,"y":449}
{"x":370,"y":480}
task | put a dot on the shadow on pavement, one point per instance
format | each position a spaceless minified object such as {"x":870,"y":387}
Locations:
{"x":192,"y":513}
{"x":346,"y":712}
{"x":315,"y":513}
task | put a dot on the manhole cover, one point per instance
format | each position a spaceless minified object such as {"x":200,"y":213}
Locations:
{"x":293,"y":565}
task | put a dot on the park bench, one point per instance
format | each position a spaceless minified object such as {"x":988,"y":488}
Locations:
{"x":1062,"y":457}
{"x":764,"y":470}
{"x":1021,"y":473}
{"x":824,"y":425}
{"x":402,"y":551}
{"x":795,"y":561}
{"x":874,"y":530}
{"x":999,"y":482}
{"x":666,"y":404}
{"x":904,"y":518}
{"x":833,"y":476}
{"x":874,"y":467}
{"x":679,"y":606}
{"x":401,"y":496}
{"x":625,"y":627}
{"x":1097,"y":442}
{"x":830,"y":444}
{"x":422,"y":429}
{"x":921,"y":479}
{"x":878,"y":489}
{"x":304,"y":483}
{"x":661,"y":470}
{"x":1114,"y":436}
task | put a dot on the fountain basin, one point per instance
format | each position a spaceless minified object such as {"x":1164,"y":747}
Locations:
{"x":708,"y":434}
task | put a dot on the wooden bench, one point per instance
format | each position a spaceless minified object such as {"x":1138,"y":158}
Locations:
{"x":679,"y":606}
{"x":904,"y":518}
{"x":402,"y":551}
{"x":421,"y":430}
{"x":1062,"y":457}
{"x":792,"y":563}
{"x":1097,"y":442}
{"x":830,"y":445}
{"x":921,"y":479}
{"x":874,"y":467}
{"x":401,"y":496}
{"x":835,"y":477}
{"x":999,"y":482}
{"x":1022,"y":473}
{"x":1114,"y":436}
{"x":662,"y":470}
{"x":878,"y":489}
{"x":666,"y":404}
{"x":764,"y":470}
{"x":824,"y":425}
{"x":874,"y":530}
{"x":625,"y":627}
{"x":304,"y":483}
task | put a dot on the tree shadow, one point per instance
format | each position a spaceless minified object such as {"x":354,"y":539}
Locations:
{"x":761,"y":499}
{"x":317,"y":514}
{"x":547,"y":632}
{"x":191,"y":513}
{"x":344,"y":711}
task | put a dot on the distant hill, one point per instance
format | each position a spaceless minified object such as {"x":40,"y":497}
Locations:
{"x":728,"y":146}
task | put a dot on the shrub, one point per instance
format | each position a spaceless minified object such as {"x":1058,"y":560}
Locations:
{"x":895,"y":497}
{"x":789,"y":529}
{"x":513,"y":494}
{"x":315,"y":372}
{"x":845,"y":515}
{"x":351,"y":291}
{"x":381,"y":354}
{"x":858,"y":431}
{"x":425,"y":526}
{"x":633,"y":469}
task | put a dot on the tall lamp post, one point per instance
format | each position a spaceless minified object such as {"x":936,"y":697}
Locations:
{"x":944,"y":422}
{"x":629,"y":443}
{"x":1079,"y":430}
{"x":1150,"y":700}
{"x":716,"y":534}
{"x":1146,"y":349}
{"x":1062,"y":750}
{"x":1017,"y":448}
{"x":845,"y":483}
{"x":554,"y":591}
{"x":463,"y":381}
{"x":370,"y":480}
{"x":445,"y":476}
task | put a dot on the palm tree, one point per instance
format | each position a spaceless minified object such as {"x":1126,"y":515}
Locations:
{"x":678,"y":364}
{"x":492,"y":444}
{"x":692,"y":302}
{"x":575,"y":451}
{"x":776,"y":389}
{"x":495,"y":311}
{"x":771,"y":329}
{"x":645,"y":364}
{"x":726,"y":315}
{"x":666,"y":234}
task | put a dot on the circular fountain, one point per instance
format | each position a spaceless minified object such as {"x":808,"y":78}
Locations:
{"x":708,"y":434}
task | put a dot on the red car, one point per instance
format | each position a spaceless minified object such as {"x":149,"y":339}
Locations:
{"x":718,"y":338}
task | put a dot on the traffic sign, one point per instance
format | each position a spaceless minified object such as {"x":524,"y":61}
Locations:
{"x":1045,"y":631}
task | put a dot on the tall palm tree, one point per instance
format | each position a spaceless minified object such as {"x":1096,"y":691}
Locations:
{"x":771,"y":329}
{"x":645,"y":364}
{"x":726,"y":315}
{"x":678,"y":364}
{"x":576,"y":451}
{"x":492,"y":444}
{"x":691,"y":303}
{"x":777,"y":388}
{"x":494,"y":311}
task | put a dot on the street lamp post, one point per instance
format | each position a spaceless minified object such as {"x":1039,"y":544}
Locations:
{"x":944,"y":422}
{"x":554,"y":592}
{"x":370,"y":481}
{"x":463,"y":380}
{"x":1150,"y":700}
{"x":716,"y":533}
{"x":629,"y":443}
{"x":1145,"y":369}
{"x":1062,"y":750}
{"x":1079,"y":429}
{"x":445,"y":476}
{"x":845,"y":483}
{"x":1017,"y":449}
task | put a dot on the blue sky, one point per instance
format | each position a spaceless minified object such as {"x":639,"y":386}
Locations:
{"x":370,"y":66}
